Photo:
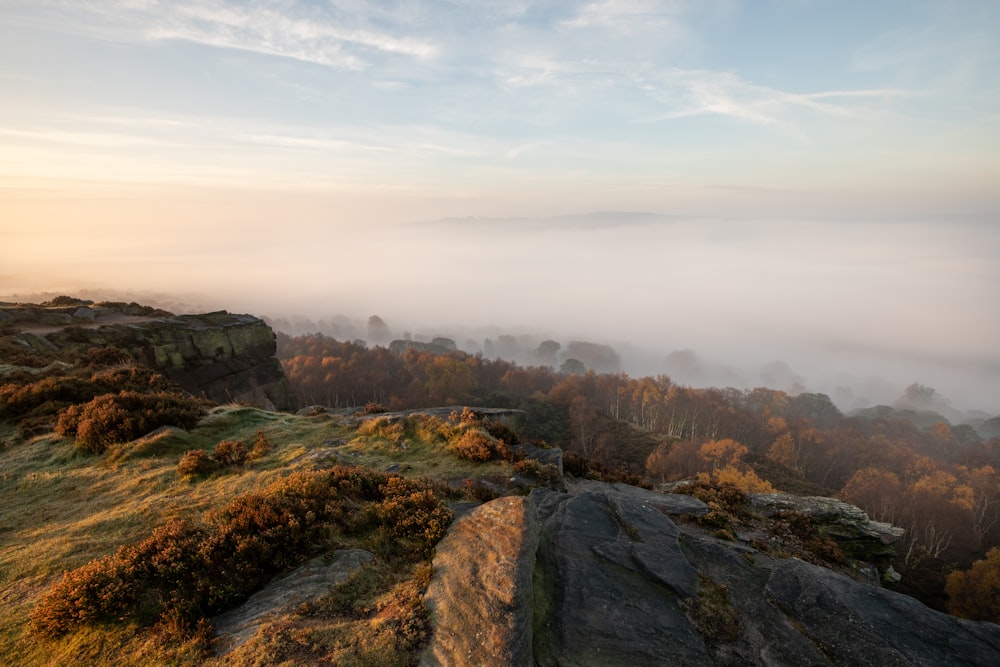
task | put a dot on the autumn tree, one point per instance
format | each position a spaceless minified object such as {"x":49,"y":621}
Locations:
{"x":975,"y":593}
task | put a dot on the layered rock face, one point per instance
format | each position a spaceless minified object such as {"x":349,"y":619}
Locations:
{"x":616,"y":580}
{"x":223,"y":356}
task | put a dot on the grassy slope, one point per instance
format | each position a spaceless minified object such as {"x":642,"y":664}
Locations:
{"x":60,"y":509}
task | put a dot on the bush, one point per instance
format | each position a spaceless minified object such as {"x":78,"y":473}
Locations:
{"x":185,"y":572}
{"x":261,"y":447}
{"x":231,"y":453}
{"x":413,"y":514}
{"x":580,"y":466}
{"x":196,"y":463}
{"x":130,"y":378}
{"x":712,"y":612}
{"x":477,"y":445}
{"x":18,"y":400}
{"x":116,"y":418}
{"x":98,"y":357}
{"x":546,"y":473}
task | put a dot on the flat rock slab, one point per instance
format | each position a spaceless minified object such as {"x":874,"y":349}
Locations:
{"x":854,"y":624}
{"x":610,"y":574}
{"x":312,"y":580}
{"x":673,"y":504}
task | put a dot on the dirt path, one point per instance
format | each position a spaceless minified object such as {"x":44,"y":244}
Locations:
{"x":43,"y":329}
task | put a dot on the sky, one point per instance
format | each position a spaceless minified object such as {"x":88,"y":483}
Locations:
{"x":811,"y":181}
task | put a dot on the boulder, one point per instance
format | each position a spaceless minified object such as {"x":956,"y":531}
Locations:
{"x":84,"y":315}
{"x":480,"y":595}
{"x":601,"y":575}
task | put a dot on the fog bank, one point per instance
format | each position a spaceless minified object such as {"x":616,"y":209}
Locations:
{"x":859,"y":309}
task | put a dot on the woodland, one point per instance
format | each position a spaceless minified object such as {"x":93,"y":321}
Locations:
{"x":938,"y":481}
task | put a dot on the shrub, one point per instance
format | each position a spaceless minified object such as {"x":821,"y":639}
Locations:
{"x":546,"y":473}
{"x":712,"y":612}
{"x":372,"y":408}
{"x":474,"y":445}
{"x":115,"y":418}
{"x":185,"y":572}
{"x":18,"y":400}
{"x":231,"y":453}
{"x":196,"y":463}
{"x":819,"y":548}
{"x":412,"y":514}
{"x":746,"y":481}
{"x":580,"y":466}
{"x":477,"y":445}
{"x":726,"y":502}
{"x":261,"y":447}
{"x":97,"y":357}
{"x":130,"y":378}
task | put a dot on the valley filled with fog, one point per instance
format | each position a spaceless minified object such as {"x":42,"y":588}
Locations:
{"x":853,"y":308}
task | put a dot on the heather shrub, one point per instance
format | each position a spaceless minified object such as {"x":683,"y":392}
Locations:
{"x":185,"y":572}
{"x":196,"y":463}
{"x":474,"y":445}
{"x":546,"y":473}
{"x":712,"y":612}
{"x":231,"y":453}
{"x":726,"y":502}
{"x":17,"y":400}
{"x":477,"y":445}
{"x":137,"y":582}
{"x":27,"y":358}
{"x":115,"y":418}
{"x":411,"y":513}
{"x":580,"y":466}
{"x":130,"y":378}
{"x":818,"y":548}
{"x":261,"y":446}
{"x":98,"y":357}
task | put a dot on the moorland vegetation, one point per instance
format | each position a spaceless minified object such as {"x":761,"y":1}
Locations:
{"x":135,"y":512}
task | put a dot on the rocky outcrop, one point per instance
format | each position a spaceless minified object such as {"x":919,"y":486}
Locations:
{"x":617,"y":579}
{"x":225,"y":357}
{"x":848,"y":525}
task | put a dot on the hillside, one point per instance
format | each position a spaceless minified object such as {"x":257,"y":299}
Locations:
{"x":145,"y":523}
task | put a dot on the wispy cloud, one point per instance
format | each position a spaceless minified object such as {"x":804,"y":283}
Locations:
{"x":687,"y":93}
{"x":314,"y":33}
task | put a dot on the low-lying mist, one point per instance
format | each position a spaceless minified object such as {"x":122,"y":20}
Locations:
{"x":855,"y":309}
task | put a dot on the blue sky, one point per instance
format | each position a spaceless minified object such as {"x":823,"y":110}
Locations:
{"x":454,"y":100}
{"x":816,"y":154}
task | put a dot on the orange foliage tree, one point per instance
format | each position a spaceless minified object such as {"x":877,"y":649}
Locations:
{"x":975,"y":593}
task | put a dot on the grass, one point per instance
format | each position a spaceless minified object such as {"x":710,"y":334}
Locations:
{"x":60,"y":509}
